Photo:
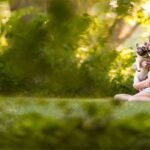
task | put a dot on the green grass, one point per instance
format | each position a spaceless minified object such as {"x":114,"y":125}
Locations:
{"x":48,"y":106}
{"x":55,"y":106}
{"x":132,"y":108}
{"x":43,"y":106}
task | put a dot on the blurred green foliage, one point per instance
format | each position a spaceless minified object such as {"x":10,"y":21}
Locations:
{"x":66,"y":51}
{"x":40,"y":56}
{"x":122,"y":77}
{"x":28,"y":123}
{"x":125,"y":7}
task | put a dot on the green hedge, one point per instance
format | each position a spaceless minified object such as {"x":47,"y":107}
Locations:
{"x":78,"y":125}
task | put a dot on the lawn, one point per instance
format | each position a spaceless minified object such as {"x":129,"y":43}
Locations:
{"x":28,"y":122}
{"x":48,"y":106}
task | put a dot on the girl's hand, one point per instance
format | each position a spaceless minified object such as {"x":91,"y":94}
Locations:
{"x":145,"y":64}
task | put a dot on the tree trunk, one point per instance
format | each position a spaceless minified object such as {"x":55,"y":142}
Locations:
{"x":18,"y":4}
{"x":119,"y":32}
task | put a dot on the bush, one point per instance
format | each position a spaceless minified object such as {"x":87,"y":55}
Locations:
{"x":41,"y":54}
{"x":82,"y":125}
{"x":122,"y":72}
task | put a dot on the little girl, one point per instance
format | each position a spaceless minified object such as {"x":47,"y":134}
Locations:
{"x":143,"y":95}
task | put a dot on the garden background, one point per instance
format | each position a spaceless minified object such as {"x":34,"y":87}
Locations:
{"x":70,"y":48}
{"x":60,"y":60}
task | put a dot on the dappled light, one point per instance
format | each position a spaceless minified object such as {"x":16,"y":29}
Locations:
{"x":4,"y":12}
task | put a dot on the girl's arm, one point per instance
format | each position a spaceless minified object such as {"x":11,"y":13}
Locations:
{"x":142,"y":84}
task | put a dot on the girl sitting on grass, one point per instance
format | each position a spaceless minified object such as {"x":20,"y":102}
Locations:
{"x":144,"y":94}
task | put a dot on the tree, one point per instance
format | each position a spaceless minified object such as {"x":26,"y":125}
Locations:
{"x":18,"y":4}
{"x":78,"y":40}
